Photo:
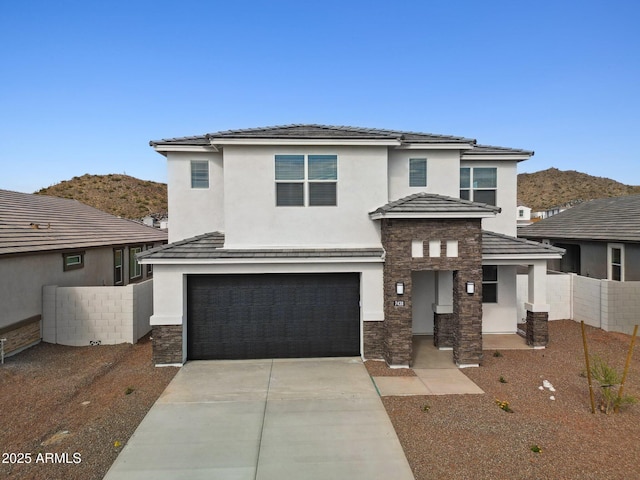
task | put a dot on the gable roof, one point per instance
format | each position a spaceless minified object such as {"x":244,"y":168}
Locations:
{"x":211,"y":245}
{"x":39,"y":223}
{"x":605,"y":219}
{"x":326,"y":133}
{"x":430,"y":205}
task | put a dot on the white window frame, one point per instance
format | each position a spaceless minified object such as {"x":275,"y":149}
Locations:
{"x":472,"y":189}
{"x":306,"y":181}
{"x":195,"y":182}
{"x":72,"y":261}
{"x":610,"y":264}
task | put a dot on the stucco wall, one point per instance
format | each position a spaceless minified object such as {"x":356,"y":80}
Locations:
{"x":443,"y":172}
{"x":252,"y":218}
{"x":559,"y":296}
{"x":80,"y":316}
{"x":502,"y":317}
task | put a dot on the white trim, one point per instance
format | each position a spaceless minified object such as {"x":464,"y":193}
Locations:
{"x":611,"y":246}
{"x":515,"y":259}
{"x":302,"y":141}
{"x":496,"y":157}
{"x":380,"y":215}
{"x":169,"y":364}
{"x":435,"y":146}
{"x":166,"y":320}
{"x":537,"y":307}
{"x":162,"y":149}
{"x":259,"y":260}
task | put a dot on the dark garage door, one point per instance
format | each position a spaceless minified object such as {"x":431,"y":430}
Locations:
{"x":273,"y":316}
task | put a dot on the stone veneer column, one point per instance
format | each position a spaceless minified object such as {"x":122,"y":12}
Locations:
{"x":537,"y":328}
{"x":443,"y":330}
{"x":167,"y":344}
{"x":373,"y":340}
{"x":467,"y":309}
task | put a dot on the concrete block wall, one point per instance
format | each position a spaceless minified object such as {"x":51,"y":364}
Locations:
{"x":620,"y":306}
{"x":587,"y":300}
{"x":80,"y":316}
{"x":559,"y":296}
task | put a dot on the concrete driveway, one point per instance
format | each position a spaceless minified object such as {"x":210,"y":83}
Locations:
{"x":266,"y":419}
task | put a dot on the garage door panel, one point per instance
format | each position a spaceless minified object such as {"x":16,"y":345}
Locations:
{"x":273,"y":316}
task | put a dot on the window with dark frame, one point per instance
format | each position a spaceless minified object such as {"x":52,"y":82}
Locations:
{"x":479,"y":184}
{"x":118,"y":266}
{"x":417,"y":172}
{"x":199,"y":174}
{"x":72,"y":261}
{"x":135,"y":269}
{"x":306,"y":181}
{"x":489,"y":284}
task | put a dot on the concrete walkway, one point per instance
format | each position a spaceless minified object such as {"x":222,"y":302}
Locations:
{"x":266,"y":419}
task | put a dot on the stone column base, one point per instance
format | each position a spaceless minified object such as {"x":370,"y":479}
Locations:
{"x":537,"y":329}
{"x":443,"y":330}
{"x":373,"y":340}
{"x":167,"y":344}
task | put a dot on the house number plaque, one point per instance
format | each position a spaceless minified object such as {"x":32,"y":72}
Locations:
{"x":398,"y":303}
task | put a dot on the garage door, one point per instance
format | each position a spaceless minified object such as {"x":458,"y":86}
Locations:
{"x":273,"y":316}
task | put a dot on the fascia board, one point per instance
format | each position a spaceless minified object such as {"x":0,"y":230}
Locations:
{"x":379,"y":216}
{"x":185,"y":148}
{"x":259,"y":260}
{"x":516,"y":259}
{"x":435,"y":146}
{"x":303,"y":141}
{"x":495,"y":158}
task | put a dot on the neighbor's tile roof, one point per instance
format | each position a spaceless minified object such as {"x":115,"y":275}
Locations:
{"x":430,"y":203}
{"x":37,"y":223}
{"x":499,"y":244}
{"x":210,"y":245}
{"x":605,"y":219}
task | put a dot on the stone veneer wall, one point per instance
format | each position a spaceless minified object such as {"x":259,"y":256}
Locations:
{"x":443,"y":330}
{"x":167,"y":344}
{"x":21,"y":335}
{"x":373,"y":333}
{"x":537,"y":329}
{"x":397,"y":237}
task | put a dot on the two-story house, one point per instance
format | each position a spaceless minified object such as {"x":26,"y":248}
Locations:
{"x":312,"y":240}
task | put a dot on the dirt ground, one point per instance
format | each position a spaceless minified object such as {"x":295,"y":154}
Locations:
{"x":471,"y":437}
{"x":66,"y":412}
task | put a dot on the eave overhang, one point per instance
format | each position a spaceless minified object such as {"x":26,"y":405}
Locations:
{"x":434,"y":215}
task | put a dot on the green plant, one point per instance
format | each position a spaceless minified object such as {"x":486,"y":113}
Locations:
{"x":504,"y":405}
{"x":536,"y":449}
{"x":426,"y":407}
{"x":502,"y":379}
{"x":609,"y":379}
{"x":129,"y":391}
{"x":497,"y":354}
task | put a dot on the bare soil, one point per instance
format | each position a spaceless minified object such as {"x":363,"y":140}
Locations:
{"x":69,"y":411}
{"x":471,"y":437}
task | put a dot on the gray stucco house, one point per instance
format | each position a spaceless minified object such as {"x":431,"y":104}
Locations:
{"x":601,"y":238}
{"x":314,"y":240}
{"x":54,"y":241}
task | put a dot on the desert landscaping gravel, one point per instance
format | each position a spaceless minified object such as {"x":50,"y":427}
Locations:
{"x":69,"y":411}
{"x":83,"y":403}
{"x":471,"y":437}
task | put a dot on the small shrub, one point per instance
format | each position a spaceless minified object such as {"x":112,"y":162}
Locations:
{"x":536,"y":449}
{"x":609,"y":379}
{"x":502,"y":379}
{"x":129,"y":391}
{"x":497,"y":354}
{"x":426,"y":407}
{"x":504,"y":405}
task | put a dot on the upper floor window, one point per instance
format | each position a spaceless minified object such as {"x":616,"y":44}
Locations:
{"x":199,"y":174}
{"x":417,"y":172}
{"x":615,"y":256}
{"x":309,"y":180}
{"x":479,"y":184}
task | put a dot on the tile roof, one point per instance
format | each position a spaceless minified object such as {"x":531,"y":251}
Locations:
{"x":491,"y":150}
{"x":607,"y":219}
{"x":210,"y":245}
{"x":431,"y":204}
{"x":37,"y":223}
{"x":499,"y":244}
{"x":314,"y":131}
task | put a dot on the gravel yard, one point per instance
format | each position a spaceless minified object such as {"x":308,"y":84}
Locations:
{"x":470,"y":437}
{"x":82,"y":400}
{"x":76,"y":402}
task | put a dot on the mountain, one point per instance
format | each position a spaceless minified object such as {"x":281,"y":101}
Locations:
{"x":552,"y":187}
{"x":119,"y":195}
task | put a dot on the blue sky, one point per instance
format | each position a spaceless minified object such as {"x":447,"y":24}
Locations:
{"x":85,"y":85}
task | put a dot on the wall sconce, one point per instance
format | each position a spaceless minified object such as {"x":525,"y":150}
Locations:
{"x":400,"y":288}
{"x":471,"y":288}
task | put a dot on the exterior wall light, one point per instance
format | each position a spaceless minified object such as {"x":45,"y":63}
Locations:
{"x":400,"y":288}
{"x":471,"y":288}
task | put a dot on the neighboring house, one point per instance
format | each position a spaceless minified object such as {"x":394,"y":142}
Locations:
{"x":312,"y":240}
{"x":601,"y":238}
{"x":156,"y":221}
{"x":523,"y":217}
{"x":550,"y":212}
{"x":54,"y":241}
